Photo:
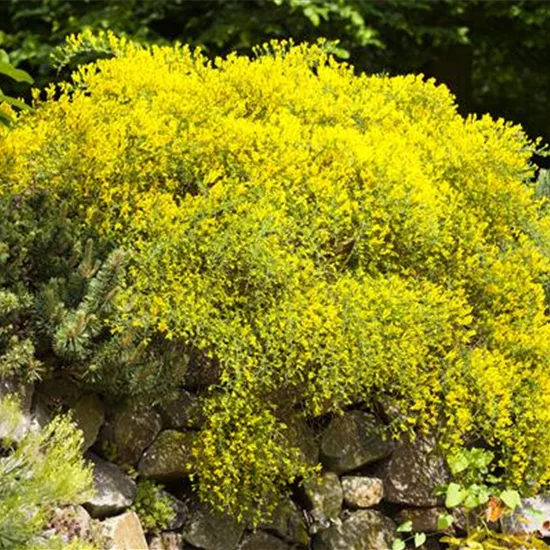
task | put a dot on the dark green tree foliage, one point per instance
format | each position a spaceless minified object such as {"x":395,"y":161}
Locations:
{"x":56,"y":297}
{"x":491,"y":54}
{"x":7,"y":70}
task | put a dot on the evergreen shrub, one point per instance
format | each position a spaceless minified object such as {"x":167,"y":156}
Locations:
{"x":314,"y":237}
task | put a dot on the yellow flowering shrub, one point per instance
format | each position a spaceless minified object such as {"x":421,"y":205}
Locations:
{"x":320,"y":238}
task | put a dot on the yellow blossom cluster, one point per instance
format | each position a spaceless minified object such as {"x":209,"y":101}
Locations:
{"x":323,"y":238}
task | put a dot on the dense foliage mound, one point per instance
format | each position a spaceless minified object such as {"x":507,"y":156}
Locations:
{"x":303,"y":238}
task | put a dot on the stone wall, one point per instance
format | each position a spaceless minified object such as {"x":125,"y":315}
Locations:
{"x":368,"y":484}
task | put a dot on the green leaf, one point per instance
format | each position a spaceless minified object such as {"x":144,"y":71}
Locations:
{"x":483,"y":494}
{"x":313,"y":15}
{"x":458,"y":463}
{"x":405,"y":527}
{"x":12,"y":101}
{"x":398,"y":544}
{"x":480,"y":459}
{"x":443,"y":522}
{"x":419,"y":539}
{"x":455,"y":495}
{"x":5,"y":119}
{"x":511,"y":498}
{"x":16,"y":74}
{"x":471,"y":500}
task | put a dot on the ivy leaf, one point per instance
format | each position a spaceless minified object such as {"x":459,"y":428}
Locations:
{"x":472,"y":497}
{"x":405,"y":527}
{"x":398,"y":544}
{"x":445,"y":521}
{"x":511,"y":499}
{"x":419,"y":539}
{"x":458,"y":463}
{"x":455,"y":495}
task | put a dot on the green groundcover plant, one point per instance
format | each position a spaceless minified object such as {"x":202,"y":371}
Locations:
{"x":43,"y":470}
{"x":303,"y":238}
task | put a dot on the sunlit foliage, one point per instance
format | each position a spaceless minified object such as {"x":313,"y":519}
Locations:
{"x":316,"y":238}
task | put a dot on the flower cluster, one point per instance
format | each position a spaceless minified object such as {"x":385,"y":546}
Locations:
{"x":322,"y":238}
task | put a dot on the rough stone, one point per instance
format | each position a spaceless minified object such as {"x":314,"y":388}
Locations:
{"x":124,"y":532}
{"x":89,"y":415}
{"x":114,"y":490}
{"x":130,"y":431}
{"x":180,"y":511}
{"x":413,"y":472}
{"x":59,"y":391}
{"x":362,"y":530}
{"x":210,"y":530}
{"x":300,"y":436}
{"x":353,"y":440}
{"x":200,"y":370}
{"x":361,"y":491}
{"x":167,"y":541}
{"x":169,"y":457}
{"x":325,"y":498}
{"x":71,"y":522}
{"x":41,"y":414}
{"x":182,"y":412}
{"x":532,"y":516}
{"x":423,"y":519}
{"x":260,"y":540}
{"x":288,"y":523}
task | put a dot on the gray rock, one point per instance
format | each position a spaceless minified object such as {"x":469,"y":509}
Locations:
{"x":300,"y":436}
{"x":114,"y":490}
{"x":181,"y":511}
{"x":130,"y":431}
{"x":182,"y":412}
{"x":71,"y":522}
{"x":167,"y":541}
{"x":89,"y":415}
{"x":261,"y":540}
{"x":413,"y":472}
{"x":423,"y":519}
{"x":124,"y":532}
{"x":288,"y":523}
{"x":353,"y":440}
{"x":362,"y":530}
{"x":361,"y":491}
{"x":201,"y":371}
{"x":325,"y":498}
{"x":41,"y":414}
{"x":210,"y":530}
{"x":169,"y":457}
{"x":532,"y":516}
{"x":59,"y":391}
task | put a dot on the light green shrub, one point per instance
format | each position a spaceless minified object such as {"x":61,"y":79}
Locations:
{"x":153,"y":507}
{"x":44,"y":470}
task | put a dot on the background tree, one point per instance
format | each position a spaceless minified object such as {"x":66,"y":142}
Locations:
{"x":491,"y":54}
